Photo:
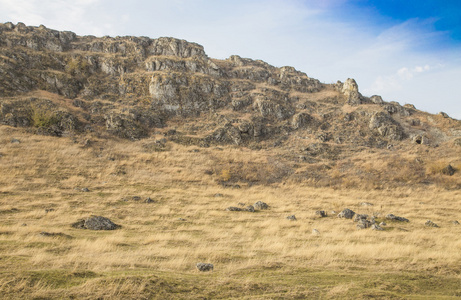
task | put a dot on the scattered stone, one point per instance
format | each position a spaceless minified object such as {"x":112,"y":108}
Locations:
{"x":261,"y":205}
{"x":85,"y":190}
{"x":47,"y":210}
{"x":149,"y":200}
{"x":363,"y":223}
{"x":382,"y":224}
{"x":315,"y":232}
{"x":96,"y":223}
{"x":321,"y":213}
{"x":455,"y":222}
{"x":358,"y":217}
{"x":218,"y":195}
{"x":376,"y":227}
{"x":136,"y":198}
{"x":23,"y":224}
{"x":250,"y":208}
{"x":55,"y":234}
{"x":366,"y":204}
{"x":448,"y":170}
{"x":396,"y":218}
{"x":292,"y":218}
{"x":346,"y":213}
{"x":241,"y":204}
{"x":429,"y":223}
{"x":233,"y":208}
{"x":181,"y":219}
{"x":15,"y":141}
{"x":204,"y":267}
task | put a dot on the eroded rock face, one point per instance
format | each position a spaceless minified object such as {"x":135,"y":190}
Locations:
{"x":351,"y":90}
{"x":383,"y":124}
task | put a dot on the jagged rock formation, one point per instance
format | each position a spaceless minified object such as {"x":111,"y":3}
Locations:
{"x":60,"y":83}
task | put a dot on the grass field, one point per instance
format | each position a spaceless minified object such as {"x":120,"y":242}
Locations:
{"x":260,"y":255}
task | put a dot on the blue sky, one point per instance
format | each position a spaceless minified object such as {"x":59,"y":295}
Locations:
{"x":407,"y":51}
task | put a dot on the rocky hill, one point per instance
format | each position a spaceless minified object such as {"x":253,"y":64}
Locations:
{"x":58,"y":83}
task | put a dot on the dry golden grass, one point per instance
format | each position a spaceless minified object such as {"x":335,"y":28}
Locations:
{"x":261,"y":254}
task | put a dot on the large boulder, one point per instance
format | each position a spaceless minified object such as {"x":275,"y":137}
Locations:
{"x":346,"y":214}
{"x":96,"y":223}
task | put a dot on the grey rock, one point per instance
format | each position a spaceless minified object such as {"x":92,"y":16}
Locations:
{"x":15,"y":141}
{"x":455,"y":222}
{"x":346,"y":213}
{"x":233,"y":208}
{"x":96,"y":223}
{"x":204,"y":267}
{"x":448,"y":170}
{"x":218,"y":195}
{"x":382,"y":224}
{"x":376,"y":227}
{"x":396,"y":218}
{"x":85,"y":190}
{"x":363,"y":224}
{"x":366,"y":204}
{"x":292,"y":218}
{"x":149,"y":200}
{"x":358,"y":217}
{"x":376,"y":99}
{"x":261,"y":205}
{"x":250,"y":208}
{"x":47,"y":210}
{"x":429,"y":223}
{"x":321,"y":213}
{"x":55,"y":234}
{"x":315,"y":232}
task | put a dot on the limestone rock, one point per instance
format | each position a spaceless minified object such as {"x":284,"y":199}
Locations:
{"x":321,"y":213}
{"x":358,"y":217}
{"x":376,"y":227}
{"x":204,"y":267}
{"x":233,"y":208}
{"x":346,"y":213}
{"x":96,"y":223}
{"x":448,"y":170}
{"x":386,"y":126}
{"x":291,"y":218}
{"x":250,"y":208}
{"x":261,"y":205}
{"x":429,"y":223}
{"x":363,"y":224}
{"x":351,"y":90}
{"x":376,"y":99}
{"x":315,"y":232}
{"x":396,"y":218}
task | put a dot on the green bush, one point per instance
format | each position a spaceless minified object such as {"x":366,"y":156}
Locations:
{"x":43,"y":117}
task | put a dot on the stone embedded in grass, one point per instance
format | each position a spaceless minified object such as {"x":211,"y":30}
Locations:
{"x":455,"y":222}
{"x":292,"y":218}
{"x":15,"y":141}
{"x":250,"y":208}
{"x":363,"y":224}
{"x":376,"y":227}
{"x":315,"y":232}
{"x":396,"y":218}
{"x":233,"y":208}
{"x":448,"y":170}
{"x":261,"y":205}
{"x":346,"y":213}
{"x":204,"y":267}
{"x":366,"y":204}
{"x":96,"y":223}
{"x":429,"y":223}
{"x":382,"y":224}
{"x":85,"y":190}
{"x":321,"y":213}
{"x":55,"y":234}
{"x":149,"y":200}
{"x":358,"y":217}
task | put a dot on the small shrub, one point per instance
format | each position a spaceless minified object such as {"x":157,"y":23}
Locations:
{"x":43,"y":117}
